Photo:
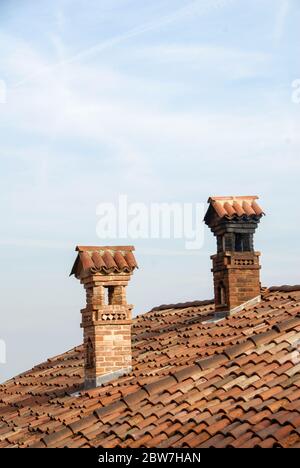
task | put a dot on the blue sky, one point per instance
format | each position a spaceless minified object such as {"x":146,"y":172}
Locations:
{"x":165,"y":101}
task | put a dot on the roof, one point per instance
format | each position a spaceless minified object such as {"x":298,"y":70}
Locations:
{"x":235,"y":207}
{"x":106,"y":260}
{"x":195,"y":382}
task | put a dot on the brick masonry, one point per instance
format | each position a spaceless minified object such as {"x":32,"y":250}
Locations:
{"x":236,"y":269}
{"x":236,"y":279}
{"x":106,"y":323}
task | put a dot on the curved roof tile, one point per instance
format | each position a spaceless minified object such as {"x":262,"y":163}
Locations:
{"x":233,"y":382}
{"x":236,"y":206}
{"x":105,"y":260}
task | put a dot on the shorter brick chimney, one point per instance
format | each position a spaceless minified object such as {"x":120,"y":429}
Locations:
{"x":106,"y":319}
{"x":236,"y":268}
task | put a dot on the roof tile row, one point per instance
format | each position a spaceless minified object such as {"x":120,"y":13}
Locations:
{"x":230,"y":383}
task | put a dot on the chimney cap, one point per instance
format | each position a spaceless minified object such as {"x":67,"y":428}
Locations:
{"x":234,"y":207}
{"x":106,"y":260}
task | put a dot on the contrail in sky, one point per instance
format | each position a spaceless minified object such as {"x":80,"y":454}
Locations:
{"x":197,"y":6}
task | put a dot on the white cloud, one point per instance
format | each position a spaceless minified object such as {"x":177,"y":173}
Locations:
{"x":99,"y":103}
{"x":35,"y":243}
{"x":281,"y":19}
{"x":198,"y":7}
{"x":77,"y":133}
{"x":105,"y":108}
{"x":227,"y":62}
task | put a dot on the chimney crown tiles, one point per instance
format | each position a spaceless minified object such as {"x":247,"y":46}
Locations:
{"x":104,"y":260}
{"x":234,"y":207}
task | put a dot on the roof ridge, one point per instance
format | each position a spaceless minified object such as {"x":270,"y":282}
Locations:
{"x":182,"y":305}
{"x":283,"y":288}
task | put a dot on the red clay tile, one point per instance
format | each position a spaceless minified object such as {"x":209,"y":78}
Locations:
{"x":104,"y":259}
{"x":180,"y":393}
{"x":230,"y":207}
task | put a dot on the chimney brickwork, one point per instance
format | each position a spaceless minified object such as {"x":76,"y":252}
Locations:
{"x":236,"y":279}
{"x":107,"y":318}
{"x":236,"y":266}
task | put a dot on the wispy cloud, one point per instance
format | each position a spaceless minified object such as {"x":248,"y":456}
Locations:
{"x":171,"y":116}
{"x":199,"y":7}
{"x":231,"y":63}
{"x":35,"y":243}
{"x":281,"y":19}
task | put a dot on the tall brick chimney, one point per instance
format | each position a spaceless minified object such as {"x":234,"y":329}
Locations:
{"x":236,"y":269}
{"x":106,"y":319}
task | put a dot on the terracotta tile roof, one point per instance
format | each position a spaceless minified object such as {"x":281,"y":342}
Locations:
{"x":106,"y":260}
{"x":232,"y":207}
{"x":195,"y":382}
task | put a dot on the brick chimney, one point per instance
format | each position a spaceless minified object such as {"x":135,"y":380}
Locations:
{"x":106,"y":319}
{"x":236,"y":269}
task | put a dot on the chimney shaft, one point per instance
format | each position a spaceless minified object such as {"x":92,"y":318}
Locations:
{"x":106,"y":319}
{"x":236,"y":268}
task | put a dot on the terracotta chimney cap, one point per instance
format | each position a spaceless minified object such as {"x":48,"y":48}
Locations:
{"x":104,"y":259}
{"x":234,"y":207}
